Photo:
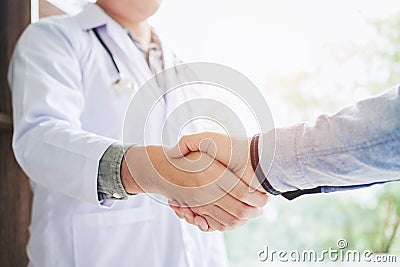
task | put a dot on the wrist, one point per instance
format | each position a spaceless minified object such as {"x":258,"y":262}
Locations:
{"x":260,"y":175}
{"x":127,"y":180}
{"x":138,"y":172}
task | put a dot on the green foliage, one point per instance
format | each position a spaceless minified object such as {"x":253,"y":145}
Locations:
{"x":316,"y":222}
{"x":385,"y":55}
{"x":375,"y":228}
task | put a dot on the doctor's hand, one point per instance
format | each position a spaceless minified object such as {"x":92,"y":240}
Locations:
{"x":232,"y":152}
{"x":197,"y":181}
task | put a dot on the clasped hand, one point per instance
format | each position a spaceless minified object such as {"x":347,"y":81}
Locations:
{"x":207,"y":177}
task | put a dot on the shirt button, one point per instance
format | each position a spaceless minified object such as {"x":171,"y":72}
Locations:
{"x":116,"y":195}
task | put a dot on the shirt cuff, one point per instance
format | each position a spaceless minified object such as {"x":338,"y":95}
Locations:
{"x":109,"y":184}
{"x":285,"y":173}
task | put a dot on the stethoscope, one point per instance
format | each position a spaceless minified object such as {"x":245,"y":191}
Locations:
{"x":121,"y":84}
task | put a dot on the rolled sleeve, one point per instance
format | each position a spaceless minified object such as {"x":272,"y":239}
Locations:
{"x":109,"y":185}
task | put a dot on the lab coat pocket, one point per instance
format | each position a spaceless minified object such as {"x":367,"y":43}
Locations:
{"x":115,"y":238}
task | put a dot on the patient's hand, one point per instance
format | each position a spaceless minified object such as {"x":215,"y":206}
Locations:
{"x":234,"y":154}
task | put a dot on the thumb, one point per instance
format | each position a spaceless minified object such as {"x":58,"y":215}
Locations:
{"x":187,"y":144}
{"x":179,"y":150}
{"x":176,"y":151}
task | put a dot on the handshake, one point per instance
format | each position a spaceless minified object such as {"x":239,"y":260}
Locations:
{"x":207,"y":177}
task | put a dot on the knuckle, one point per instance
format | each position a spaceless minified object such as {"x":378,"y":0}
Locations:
{"x":241,"y":194}
{"x":233,"y":222}
{"x":182,"y":140}
{"x":259,"y":199}
{"x":206,"y":134}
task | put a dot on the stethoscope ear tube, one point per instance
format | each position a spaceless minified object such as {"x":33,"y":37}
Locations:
{"x":121,"y":84}
{"x":96,"y":33}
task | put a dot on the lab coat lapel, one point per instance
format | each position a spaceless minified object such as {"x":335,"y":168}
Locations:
{"x":117,"y":39}
{"x":134,"y":58}
{"x":134,"y":61}
{"x":179,"y":97}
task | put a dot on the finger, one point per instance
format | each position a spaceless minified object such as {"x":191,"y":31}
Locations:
{"x":224,"y":218}
{"x":237,"y":208}
{"x":191,"y":143}
{"x":178,"y":151}
{"x":188,"y":214}
{"x":173,"y":204}
{"x":201,"y":222}
{"x":180,"y":216}
{"x":240,"y":191}
{"x":233,"y":185}
{"x":178,"y":213}
{"x":182,"y":212}
{"x":250,"y":179}
{"x":198,"y":220}
{"x":182,"y":148}
{"x":255,"y":185}
{"x":215,"y":225}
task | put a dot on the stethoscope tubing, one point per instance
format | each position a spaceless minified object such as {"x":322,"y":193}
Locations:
{"x":96,"y":33}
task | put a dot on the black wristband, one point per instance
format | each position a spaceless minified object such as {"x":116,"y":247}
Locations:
{"x":254,"y":156}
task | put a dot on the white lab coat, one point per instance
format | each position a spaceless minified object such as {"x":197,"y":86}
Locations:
{"x":66,"y":114}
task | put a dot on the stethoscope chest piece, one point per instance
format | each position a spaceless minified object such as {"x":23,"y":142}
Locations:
{"x":121,"y":85}
{"x":125,"y":86}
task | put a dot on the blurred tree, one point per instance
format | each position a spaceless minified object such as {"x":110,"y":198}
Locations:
{"x":383,"y":60}
{"x":389,"y":206}
{"x":317,"y":222}
{"x":383,"y":57}
{"x":374,"y":227}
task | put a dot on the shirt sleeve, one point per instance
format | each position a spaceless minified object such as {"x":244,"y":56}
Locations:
{"x":358,"y":146}
{"x":48,"y":101}
{"x":109,"y":185}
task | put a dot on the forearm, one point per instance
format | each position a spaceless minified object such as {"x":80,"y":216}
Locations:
{"x":358,"y":145}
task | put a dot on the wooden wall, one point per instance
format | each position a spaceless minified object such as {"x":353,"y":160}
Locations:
{"x":15,"y":194}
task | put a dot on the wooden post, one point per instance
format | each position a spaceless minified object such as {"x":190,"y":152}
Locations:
{"x":15,"y":194}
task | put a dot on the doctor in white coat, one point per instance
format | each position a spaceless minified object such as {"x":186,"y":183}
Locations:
{"x":67,"y":113}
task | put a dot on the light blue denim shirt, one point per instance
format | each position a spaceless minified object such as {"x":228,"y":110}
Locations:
{"x":357,"y":147}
